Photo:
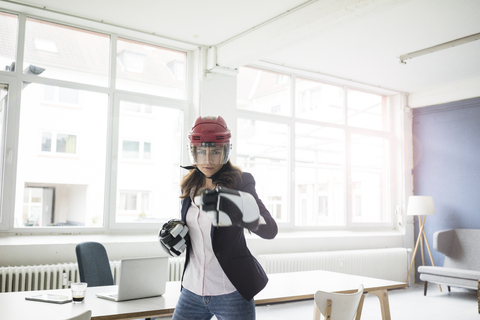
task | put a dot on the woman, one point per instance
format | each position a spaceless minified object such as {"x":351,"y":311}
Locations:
{"x":221,"y":276}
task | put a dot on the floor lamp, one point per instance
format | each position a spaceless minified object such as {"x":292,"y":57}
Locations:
{"x":421,"y":206}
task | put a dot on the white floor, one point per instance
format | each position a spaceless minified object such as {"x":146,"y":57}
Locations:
{"x":460,"y":304}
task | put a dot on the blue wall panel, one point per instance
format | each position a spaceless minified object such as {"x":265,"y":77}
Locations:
{"x":446,"y":157}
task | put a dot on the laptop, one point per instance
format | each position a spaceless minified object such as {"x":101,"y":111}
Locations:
{"x":140,"y":278}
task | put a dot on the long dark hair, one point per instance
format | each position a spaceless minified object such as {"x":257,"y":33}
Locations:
{"x":228,"y":178}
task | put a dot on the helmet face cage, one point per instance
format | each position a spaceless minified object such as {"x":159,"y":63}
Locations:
{"x":209,"y":152}
{"x":209,"y":141}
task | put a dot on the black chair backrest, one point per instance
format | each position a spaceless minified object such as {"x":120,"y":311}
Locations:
{"x":93,"y":264}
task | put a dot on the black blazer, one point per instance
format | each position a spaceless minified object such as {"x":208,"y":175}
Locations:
{"x":230,"y":247}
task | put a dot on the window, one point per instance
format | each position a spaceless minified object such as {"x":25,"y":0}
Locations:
{"x":322,"y":205}
{"x":89,"y":154}
{"x":61,"y":96}
{"x":367,"y":110}
{"x":45,"y":45}
{"x":136,"y":108}
{"x":262,"y":151}
{"x":8,"y":41}
{"x":38,"y":206}
{"x":136,"y":150}
{"x":66,"y":53}
{"x":177,"y":69}
{"x":316,"y":100}
{"x":335,"y":141}
{"x":49,"y":156}
{"x":32,"y":206}
{"x":132,"y":61}
{"x":59,"y":143}
{"x":148,"y":69}
{"x":369,"y":171}
{"x":133,"y":205}
{"x":263,"y":91}
{"x":320,"y":164}
{"x":130,"y":149}
{"x":148,"y":165}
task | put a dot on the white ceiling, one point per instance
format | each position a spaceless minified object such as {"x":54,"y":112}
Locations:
{"x":359,"y":40}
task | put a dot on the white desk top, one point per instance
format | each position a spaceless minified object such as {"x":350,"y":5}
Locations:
{"x":281,"y":287}
{"x":303,"y":285}
{"x":13,"y":306}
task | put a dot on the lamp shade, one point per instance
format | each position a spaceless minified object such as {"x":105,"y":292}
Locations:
{"x":420,"y":205}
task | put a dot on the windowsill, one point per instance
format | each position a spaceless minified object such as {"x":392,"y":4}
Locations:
{"x":36,"y":239}
{"x":59,"y":239}
{"x":335,"y":233}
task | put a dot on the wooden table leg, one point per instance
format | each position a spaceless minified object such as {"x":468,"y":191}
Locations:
{"x":384,"y":305}
{"x":478,"y":296}
{"x":316,"y":312}
{"x":360,"y":307}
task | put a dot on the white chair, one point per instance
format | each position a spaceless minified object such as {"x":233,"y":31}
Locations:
{"x":87,"y":315}
{"x":337,"y":306}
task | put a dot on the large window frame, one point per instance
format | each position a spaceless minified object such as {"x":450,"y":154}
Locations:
{"x":14,"y":81}
{"x":291,"y":120}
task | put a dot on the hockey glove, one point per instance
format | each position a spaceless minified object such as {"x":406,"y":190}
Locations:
{"x":174,"y":237}
{"x":227,"y":207}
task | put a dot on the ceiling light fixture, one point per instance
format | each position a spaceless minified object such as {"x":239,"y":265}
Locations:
{"x":439,"y":47}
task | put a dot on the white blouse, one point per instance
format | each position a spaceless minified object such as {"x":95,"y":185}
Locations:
{"x":203,"y":276}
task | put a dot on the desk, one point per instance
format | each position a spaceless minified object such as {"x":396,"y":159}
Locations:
{"x":282,"y":287}
{"x":13,"y":306}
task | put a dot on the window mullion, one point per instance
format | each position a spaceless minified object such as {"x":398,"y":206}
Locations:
{"x":112,"y":161}
{"x":20,"y":44}
{"x":291,"y":152}
{"x":348,"y":164}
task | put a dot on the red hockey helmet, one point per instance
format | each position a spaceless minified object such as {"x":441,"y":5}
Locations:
{"x":209,"y":141}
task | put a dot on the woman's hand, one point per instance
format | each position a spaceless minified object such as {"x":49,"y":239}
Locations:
{"x":227,"y":207}
{"x":174,"y":237}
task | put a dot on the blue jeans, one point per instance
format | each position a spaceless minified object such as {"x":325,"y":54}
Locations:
{"x":230,"y":306}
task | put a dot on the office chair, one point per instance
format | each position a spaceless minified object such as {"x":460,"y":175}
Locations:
{"x":93,"y":264}
{"x":337,"y":306}
{"x":87,"y":315}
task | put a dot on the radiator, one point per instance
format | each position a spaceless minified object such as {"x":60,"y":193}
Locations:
{"x":59,"y":276}
{"x":389,"y":264}
{"x":175,"y":268}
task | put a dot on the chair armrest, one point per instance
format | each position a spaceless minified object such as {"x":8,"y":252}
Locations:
{"x":442,"y":241}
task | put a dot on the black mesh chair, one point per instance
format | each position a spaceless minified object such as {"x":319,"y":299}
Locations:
{"x":93,"y":264}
